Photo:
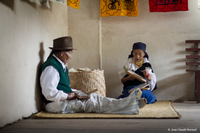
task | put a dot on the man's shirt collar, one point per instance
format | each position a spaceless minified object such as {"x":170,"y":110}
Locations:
{"x":63,"y":64}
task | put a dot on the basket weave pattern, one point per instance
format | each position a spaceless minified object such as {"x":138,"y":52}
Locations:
{"x":88,"y":81}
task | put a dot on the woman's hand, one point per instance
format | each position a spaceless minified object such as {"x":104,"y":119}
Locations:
{"x":146,"y":74}
{"x":129,"y":77}
{"x":71,"y":96}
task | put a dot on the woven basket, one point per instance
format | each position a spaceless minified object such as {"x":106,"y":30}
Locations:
{"x":88,"y":81}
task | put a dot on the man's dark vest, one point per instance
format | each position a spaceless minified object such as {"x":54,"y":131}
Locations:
{"x":64,"y":83}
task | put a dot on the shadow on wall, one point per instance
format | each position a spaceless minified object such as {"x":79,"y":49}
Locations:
{"x":8,"y":3}
{"x":38,"y":93}
{"x":30,"y":3}
{"x":172,"y":88}
{"x":179,"y":87}
{"x":34,"y":5}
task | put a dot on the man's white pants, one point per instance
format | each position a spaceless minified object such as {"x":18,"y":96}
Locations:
{"x":97,"y":104}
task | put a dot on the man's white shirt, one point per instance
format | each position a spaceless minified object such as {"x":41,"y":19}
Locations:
{"x":49,"y":80}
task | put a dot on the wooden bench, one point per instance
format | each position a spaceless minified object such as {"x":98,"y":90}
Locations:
{"x":195,"y":63}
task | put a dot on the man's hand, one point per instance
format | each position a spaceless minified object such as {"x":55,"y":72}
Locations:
{"x":71,"y":96}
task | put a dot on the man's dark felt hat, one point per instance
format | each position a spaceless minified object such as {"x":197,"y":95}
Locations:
{"x":63,"y":43}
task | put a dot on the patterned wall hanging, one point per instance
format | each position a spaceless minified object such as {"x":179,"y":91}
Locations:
{"x":119,"y":8}
{"x":168,"y":5}
{"x":73,"y":3}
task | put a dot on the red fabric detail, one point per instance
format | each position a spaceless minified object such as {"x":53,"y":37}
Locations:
{"x":168,"y":5}
{"x":147,"y":75}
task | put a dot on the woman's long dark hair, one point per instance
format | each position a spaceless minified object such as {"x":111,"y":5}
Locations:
{"x":53,"y":52}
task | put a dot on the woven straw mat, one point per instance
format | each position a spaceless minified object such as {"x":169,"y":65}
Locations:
{"x":157,"y":110}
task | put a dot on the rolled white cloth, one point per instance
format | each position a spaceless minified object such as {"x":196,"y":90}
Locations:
{"x":97,"y":104}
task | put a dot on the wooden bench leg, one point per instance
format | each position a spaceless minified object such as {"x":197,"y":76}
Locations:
{"x":197,"y":86}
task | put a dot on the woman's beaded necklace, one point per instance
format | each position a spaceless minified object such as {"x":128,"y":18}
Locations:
{"x":138,"y":63}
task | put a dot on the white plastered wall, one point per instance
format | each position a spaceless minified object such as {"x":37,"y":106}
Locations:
{"x":84,"y":29}
{"x":164,"y":34}
{"x":26,"y":32}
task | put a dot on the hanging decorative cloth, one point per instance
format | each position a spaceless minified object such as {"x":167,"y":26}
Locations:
{"x":45,"y":3}
{"x":73,"y":3}
{"x":119,"y":8}
{"x":168,"y":5}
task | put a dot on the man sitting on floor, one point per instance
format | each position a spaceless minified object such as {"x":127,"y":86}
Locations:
{"x":59,"y":96}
